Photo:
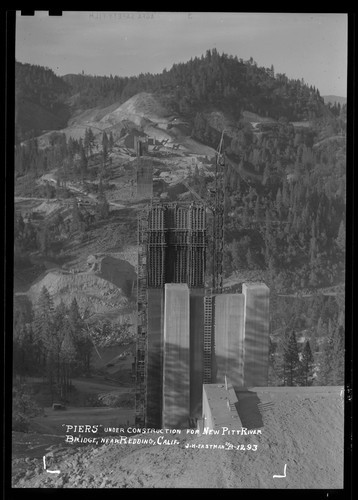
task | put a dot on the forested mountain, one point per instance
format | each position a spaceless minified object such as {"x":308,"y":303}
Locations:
{"x":213,"y":79}
{"x":40,"y":100}
{"x":284,"y":183}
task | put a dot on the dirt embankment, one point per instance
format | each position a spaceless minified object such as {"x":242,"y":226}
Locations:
{"x":90,"y":290}
{"x":302,"y":439}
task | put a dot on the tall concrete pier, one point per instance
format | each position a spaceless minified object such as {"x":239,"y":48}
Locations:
{"x":176,"y":361}
{"x":155,"y":357}
{"x":229,"y":338}
{"x":256,"y":343}
{"x":196,"y":351}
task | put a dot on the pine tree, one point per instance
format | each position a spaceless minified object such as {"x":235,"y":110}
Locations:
{"x":60,"y":327}
{"x":79,"y":336}
{"x":68,"y":357}
{"x":86,"y":141}
{"x":250,"y":259}
{"x":77,"y":218}
{"x":22,"y":345}
{"x":43,"y":335}
{"x":104,"y":147}
{"x":290,"y":358}
{"x":74,"y":317}
{"x":274,"y":379}
{"x":110,"y":142}
{"x":102,"y":207}
{"x":341,"y":237}
{"x":337,"y":344}
{"x":326,"y":363}
{"x":266,"y":174}
{"x":19,"y":226}
{"x":43,"y":238}
{"x":83,"y":163}
{"x":236,"y":254}
{"x":89,"y":141}
{"x":307,"y":364}
{"x":43,"y":321}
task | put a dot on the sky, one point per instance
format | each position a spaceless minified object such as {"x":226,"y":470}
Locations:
{"x":309,"y":46}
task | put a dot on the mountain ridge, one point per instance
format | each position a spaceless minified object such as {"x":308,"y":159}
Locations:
{"x":212,"y":81}
{"x":334,"y":98}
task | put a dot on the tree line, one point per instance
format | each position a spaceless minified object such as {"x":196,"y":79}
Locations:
{"x":52,"y":342}
{"x":314,"y":319}
{"x":291,"y":365}
{"x":50,"y":238}
{"x":58,"y":342}
{"x":40,"y":100}
{"x":284,"y":203}
{"x":213,"y":79}
{"x":73,"y":159}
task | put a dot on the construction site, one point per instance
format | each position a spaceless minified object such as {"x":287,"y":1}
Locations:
{"x":190,"y":332}
{"x":200,"y":361}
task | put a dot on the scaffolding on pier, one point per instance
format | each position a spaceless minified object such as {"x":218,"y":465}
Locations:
{"x":171,"y":249}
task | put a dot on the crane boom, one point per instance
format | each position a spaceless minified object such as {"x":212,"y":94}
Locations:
{"x":194,"y":193}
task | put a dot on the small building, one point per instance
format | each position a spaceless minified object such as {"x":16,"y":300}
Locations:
{"x":220,"y":407}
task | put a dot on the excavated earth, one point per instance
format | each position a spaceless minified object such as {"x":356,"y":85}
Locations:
{"x":302,"y":439}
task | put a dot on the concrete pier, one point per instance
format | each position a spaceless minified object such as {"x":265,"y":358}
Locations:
{"x":196,"y":351}
{"x":256,"y":343}
{"x":155,"y":357}
{"x":176,"y":362}
{"x":229,"y":338}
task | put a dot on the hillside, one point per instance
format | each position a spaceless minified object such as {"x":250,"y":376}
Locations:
{"x":142,"y":115}
{"x":79,"y":196}
{"x":278,"y":173}
{"x":40,"y":100}
{"x":92,"y":292}
{"x":213,"y":80}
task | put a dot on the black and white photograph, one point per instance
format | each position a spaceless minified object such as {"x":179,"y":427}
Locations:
{"x":179,"y":247}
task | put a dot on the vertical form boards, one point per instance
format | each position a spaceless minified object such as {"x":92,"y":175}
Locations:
{"x":196,"y":350}
{"x":175,"y":251}
{"x":256,"y":344}
{"x":176,"y":359}
{"x":155,"y":357}
{"x":229,"y":338}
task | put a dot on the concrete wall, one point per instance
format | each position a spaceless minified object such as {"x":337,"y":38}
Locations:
{"x":208,"y":420}
{"x":220,"y":407}
{"x":229,"y":338}
{"x":176,"y":367}
{"x":256,"y":344}
{"x":155,"y":357}
{"x":196,"y":350}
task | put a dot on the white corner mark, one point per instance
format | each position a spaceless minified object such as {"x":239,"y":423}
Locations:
{"x":50,"y":471}
{"x":284,"y":472}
